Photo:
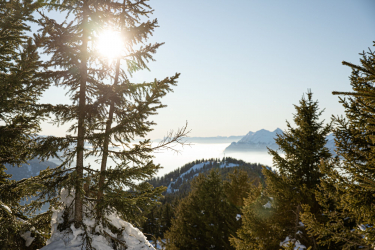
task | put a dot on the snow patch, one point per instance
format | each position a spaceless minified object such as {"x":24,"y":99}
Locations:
{"x":268,"y":205}
{"x":27,"y":237}
{"x":292,"y":242}
{"x":238,"y":217}
{"x":76,"y":238}
{"x":228,"y":165}
{"x":195,"y":167}
{"x":6,"y":207}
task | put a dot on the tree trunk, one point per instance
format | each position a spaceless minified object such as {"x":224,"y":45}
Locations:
{"x":81,"y":120}
{"x":103,"y":166}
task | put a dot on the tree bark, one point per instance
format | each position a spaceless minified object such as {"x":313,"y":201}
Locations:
{"x":103,"y":166}
{"x":81,"y":120}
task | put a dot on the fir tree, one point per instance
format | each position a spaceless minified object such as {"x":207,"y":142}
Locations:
{"x":347,"y":194}
{"x":204,"y":219}
{"x":273,"y":213}
{"x":107,"y":110}
{"x":21,"y":85}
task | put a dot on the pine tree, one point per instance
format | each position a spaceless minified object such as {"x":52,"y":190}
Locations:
{"x":21,"y":85}
{"x":273,"y":213}
{"x":204,"y":219}
{"x":107,"y":110}
{"x":347,"y":194}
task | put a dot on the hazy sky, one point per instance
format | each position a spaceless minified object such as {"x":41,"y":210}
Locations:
{"x":244,"y":63}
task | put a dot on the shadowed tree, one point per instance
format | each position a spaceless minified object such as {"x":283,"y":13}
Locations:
{"x":273,"y":213}
{"x":107,"y":112}
{"x":204,"y":219}
{"x":21,"y":84}
{"x":347,"y":194}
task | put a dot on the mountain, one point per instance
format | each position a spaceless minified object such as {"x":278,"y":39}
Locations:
{"x":258,"y":141}
{"x":247,"y":137}
{"x":216,"y":139}
{"x":331,"y":143}
{"x":33,"y":168}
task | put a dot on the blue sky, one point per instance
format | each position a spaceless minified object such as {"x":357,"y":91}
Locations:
{"x":244,"y":63}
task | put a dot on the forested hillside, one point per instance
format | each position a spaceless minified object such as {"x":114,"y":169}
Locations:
{"x":180,"y":181}
{"x":318,"y":195}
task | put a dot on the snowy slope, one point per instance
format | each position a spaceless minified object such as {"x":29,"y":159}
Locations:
{"x":261,"y":136}
{"x":247,"y":137}
{"x":99,"y":235}
{"x":258,"y":141}
{"x":181,"y":177}
{"x":193,"y":169}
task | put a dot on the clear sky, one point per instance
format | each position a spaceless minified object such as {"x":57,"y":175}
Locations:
{"x":244,"y":63}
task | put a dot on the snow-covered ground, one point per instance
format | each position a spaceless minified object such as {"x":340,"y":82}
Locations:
{"x":100,"y":237}
{"x":194,"y":168}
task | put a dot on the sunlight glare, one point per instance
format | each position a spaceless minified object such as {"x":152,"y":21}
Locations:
{"x":110,"y":44}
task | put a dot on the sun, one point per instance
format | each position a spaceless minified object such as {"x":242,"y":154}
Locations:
{"x":110,"y":44}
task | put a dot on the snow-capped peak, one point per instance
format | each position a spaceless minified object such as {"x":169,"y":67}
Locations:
{"x":261,"y":136}
{"x":247,"y":136}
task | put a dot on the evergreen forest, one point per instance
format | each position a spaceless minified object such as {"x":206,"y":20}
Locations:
{"x":308,"y":199}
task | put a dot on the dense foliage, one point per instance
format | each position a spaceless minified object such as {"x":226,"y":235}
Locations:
{"x":272,"y":213}
{"x":107,"y":110}
{"x":236,"y":182}
{"x":21,"y":85}
{"x":204,"y":219}
{"x":347,"y":194}
{"x":313,"y":201}
{"x":182,"y":185}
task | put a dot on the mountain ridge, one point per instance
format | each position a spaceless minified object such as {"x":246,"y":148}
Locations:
{"x":255,"y":141}
{"x":263,"y":139}
{"x":213,"y":139}
{"x":32,"y":168}
{"x":178,"y":180}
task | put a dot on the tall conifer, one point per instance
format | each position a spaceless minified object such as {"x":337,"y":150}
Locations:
{"x":347,"y":194}
{"x":21,"y":85}
{"x":273,"y":213}
{"x":107,"y":110}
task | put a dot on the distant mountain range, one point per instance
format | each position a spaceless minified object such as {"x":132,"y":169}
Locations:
{"x":263,"y":139}
{"x":216,"y":139}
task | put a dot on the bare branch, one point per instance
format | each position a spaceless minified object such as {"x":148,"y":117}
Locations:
{"x":172,"y":139}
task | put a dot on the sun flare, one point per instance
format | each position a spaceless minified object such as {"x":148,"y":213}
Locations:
{"x":109,"y":44}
